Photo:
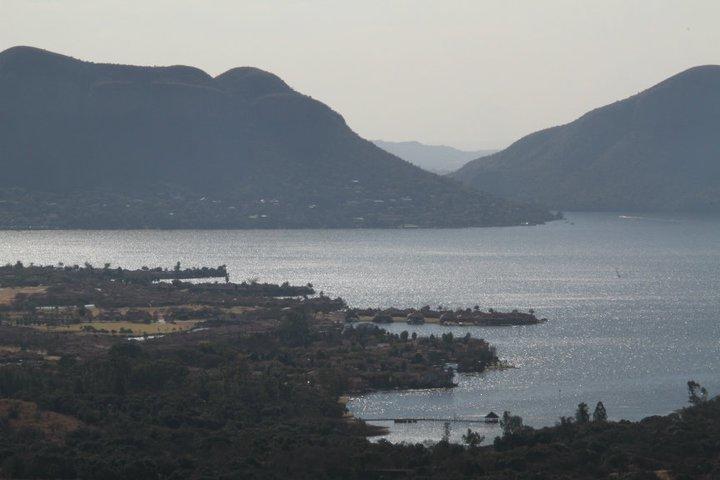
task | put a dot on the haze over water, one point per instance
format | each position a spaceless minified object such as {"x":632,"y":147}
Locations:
{"x":632,"y":302}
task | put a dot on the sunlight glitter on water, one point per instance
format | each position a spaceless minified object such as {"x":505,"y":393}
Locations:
{"x":633,"y":305}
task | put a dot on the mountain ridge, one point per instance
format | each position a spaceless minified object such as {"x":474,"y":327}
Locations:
{"x":656,"y":150}
{"x":98,"y":145}
{"x":440,"y":159}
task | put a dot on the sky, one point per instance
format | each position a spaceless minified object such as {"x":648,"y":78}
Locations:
{"x":470,"y":74}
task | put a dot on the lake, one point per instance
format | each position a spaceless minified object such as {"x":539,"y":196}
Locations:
{"x":633,"y":302}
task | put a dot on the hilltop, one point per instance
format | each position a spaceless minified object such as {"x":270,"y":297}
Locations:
{"x":658,"y":150}
{"x":89,"y":145}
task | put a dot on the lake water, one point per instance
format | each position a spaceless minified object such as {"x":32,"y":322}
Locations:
{"x":633,"y":302}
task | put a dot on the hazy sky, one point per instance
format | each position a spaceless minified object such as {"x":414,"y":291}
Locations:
{"x":471,"y":74}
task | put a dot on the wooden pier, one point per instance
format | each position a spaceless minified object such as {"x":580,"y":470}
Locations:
{"x":441,"y":420}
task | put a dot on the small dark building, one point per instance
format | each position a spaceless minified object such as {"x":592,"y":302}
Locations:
{"x":492,"y":417}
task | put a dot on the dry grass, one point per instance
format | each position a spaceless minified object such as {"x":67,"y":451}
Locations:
{"x":20,"y":414}
{"x":8,"y":294}
{"x":188,"y":306}
{"x":136,"y":328}
{"x":14,"y":349}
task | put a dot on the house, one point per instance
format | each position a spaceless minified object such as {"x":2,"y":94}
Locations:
{"x":492,"y":417}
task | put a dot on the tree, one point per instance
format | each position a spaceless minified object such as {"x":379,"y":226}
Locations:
{"x":177,"y":267}
{"x":511,"y":424}
{"x":599,"y":414}
{"x":472,"y":439}
{"x":582,"y":414}
{"x":696,"y":393}
{"x":566,"y":421}
{"x":446,"y":432}
{"x":294,"y":328}
{"x":404,"y":335}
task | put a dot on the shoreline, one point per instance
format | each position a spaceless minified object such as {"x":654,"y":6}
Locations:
{"x":371,"y":430}
{"x":438,"y":321}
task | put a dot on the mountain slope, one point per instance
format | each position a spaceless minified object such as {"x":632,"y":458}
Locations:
{"x":439,"y":159}
{"x":113,"y":146}
{"x":658,"y":150}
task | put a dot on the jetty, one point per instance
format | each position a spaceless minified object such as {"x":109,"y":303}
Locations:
{"x":439,"y":420}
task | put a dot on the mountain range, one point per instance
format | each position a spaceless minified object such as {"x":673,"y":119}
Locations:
{"x":658,"y":150}
{"x":439,"y":159}
{"x":90,"y":145}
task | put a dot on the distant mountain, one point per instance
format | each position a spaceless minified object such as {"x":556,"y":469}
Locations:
{"x":85,"y":145}
{"x":658,"y":150}
{"x":439,"y":159}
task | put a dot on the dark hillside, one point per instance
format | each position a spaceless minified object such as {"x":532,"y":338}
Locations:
{"x":658,"y":150}
{"x":113,"y":146}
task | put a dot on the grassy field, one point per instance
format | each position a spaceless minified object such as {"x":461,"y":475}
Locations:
{"x":165,"y":310}
{"x":136,"y":328}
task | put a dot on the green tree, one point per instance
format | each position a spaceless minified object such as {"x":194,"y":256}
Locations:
{"x":511,"y":424}
{"x":446,"y":432}
{"x":582,"y":414}
{"x":294,"y":328}
{"x":599,"y":414}
{"x":696,"y":393}
{"x":472,"y":439}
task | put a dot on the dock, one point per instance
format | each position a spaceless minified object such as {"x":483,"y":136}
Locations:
{"x":440,"y":420}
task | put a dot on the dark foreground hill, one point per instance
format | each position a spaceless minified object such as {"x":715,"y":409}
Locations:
{"x":113,"y":146}
{"x":658,"y":150}
{"x":246,"y":383}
